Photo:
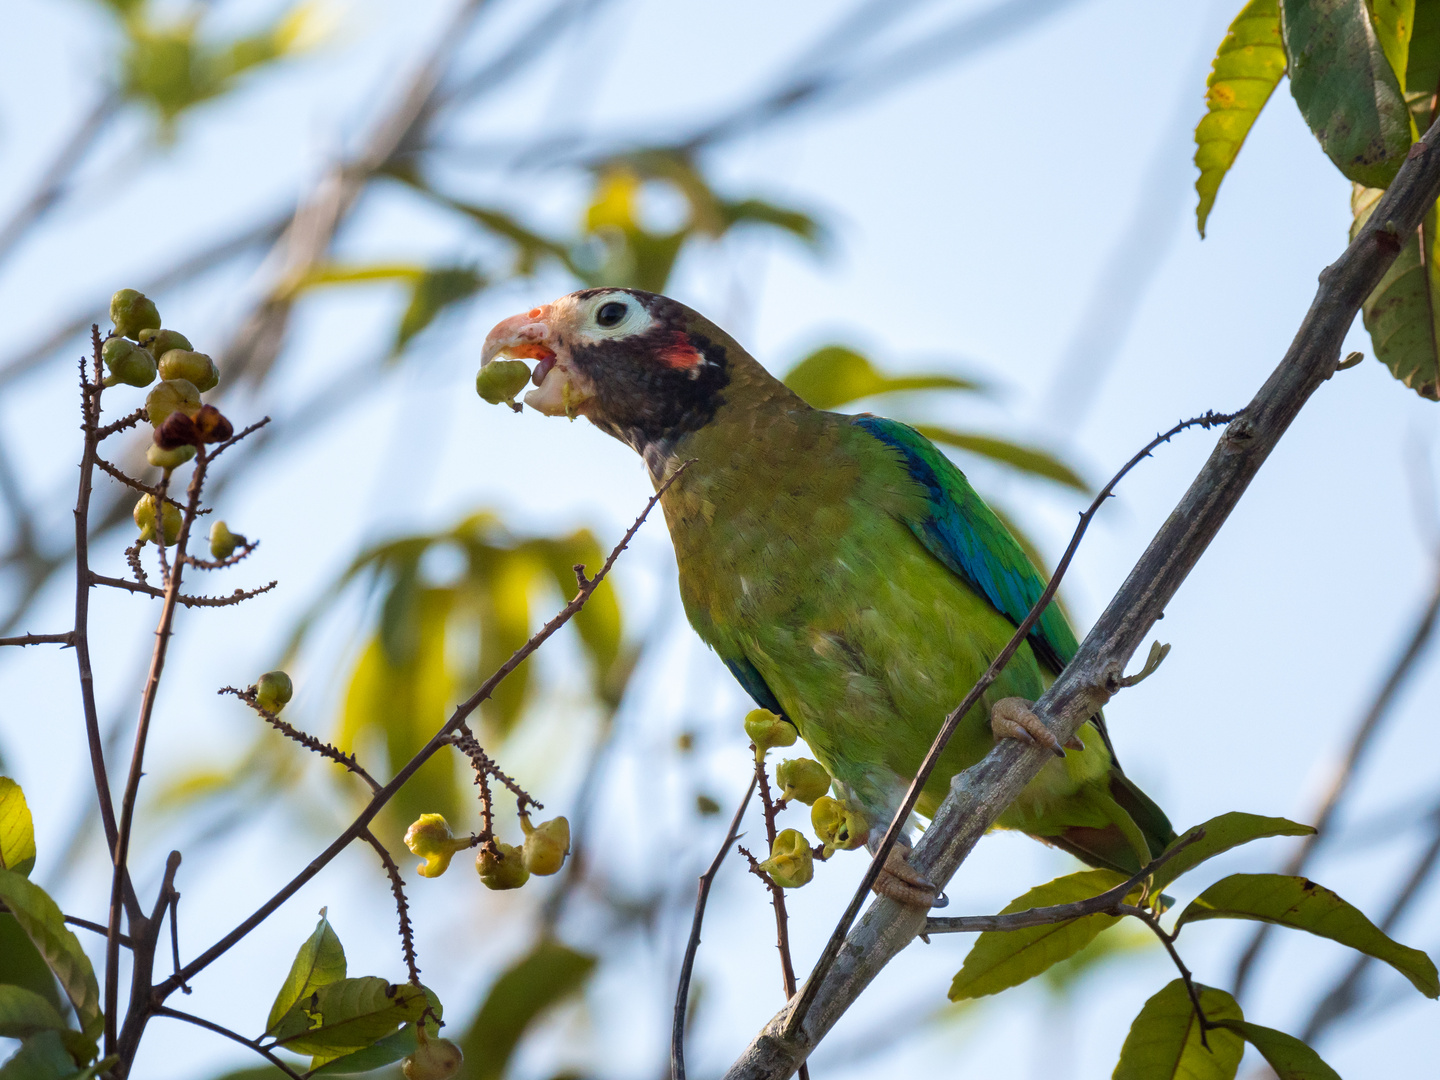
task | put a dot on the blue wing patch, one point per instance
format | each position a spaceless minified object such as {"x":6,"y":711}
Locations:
{"x":746,"y":675}
{"x":972,"y":542}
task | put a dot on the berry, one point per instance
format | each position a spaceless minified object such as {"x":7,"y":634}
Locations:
{"x":193,"y":367}
{"x":273,"y":690}
{"x":168,"y":459}
{"x":839,"y":827}
{"x":546,"y":845}
{"x":767,"y":730}
{"x":223,"y":542}
{"x":429,"y":837}
{"x":802,"y":780}
{"x":132,"y":312}
{"x":433,"y":1059}
{"x":503,"y":868}
{"x":500,"y":380}
{"x":168,"y":396}
{"x":144,"y":515}
{"x":159,"y":342}
{"x":127,"y":364}
{"x":791,"y":863}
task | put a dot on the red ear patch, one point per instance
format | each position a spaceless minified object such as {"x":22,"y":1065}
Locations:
{"x":680,"y":353}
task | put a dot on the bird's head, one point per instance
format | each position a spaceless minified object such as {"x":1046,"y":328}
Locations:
{"x":640,"y":366}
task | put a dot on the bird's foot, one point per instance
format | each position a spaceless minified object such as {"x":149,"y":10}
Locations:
{"x":1013,"y":718}
{"x":903,"y":883}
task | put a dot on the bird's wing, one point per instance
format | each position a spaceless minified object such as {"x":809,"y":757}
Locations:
{"x":754,"y":685}
{"x":963,"y":533}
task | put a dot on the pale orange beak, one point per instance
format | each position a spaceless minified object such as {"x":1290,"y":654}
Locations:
{"x":560,"y":390}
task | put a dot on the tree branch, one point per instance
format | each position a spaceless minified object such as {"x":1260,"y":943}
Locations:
{"x":210,"y":1025}
{"x":979,"y":794}
{"x":67,"y":639}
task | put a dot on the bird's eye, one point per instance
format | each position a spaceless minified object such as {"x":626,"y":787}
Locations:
{"x":610,"y":314}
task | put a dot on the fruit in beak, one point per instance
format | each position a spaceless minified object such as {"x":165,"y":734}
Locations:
{"x":560,"y":388}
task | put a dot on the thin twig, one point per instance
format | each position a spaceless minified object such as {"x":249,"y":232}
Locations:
{"x":777,"y":894}
{"x":1360,"y":743}
{"x":310,"y":742}
{"x":187,"y":601}
{"x":1107,"y":901}
{"x":210,"y":1025}
{"x":439,"y":739}
{"x":687,"y":966}
{"x":120,"y":425}
{"x":155,"y":491}
{"x":1168,"y":940}
{"x":402,"y":906}
{"x":952,"y":721}
{"x":67,"y":639}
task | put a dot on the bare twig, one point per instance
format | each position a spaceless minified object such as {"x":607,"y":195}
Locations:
{"x":402,"y":906}
{"x":1360,"y":742}
{"x":439,"y":739}
{"x":687,"y":966}
{"x":67,"y":639}
{"x":952,"y":721}
{"x":310,"y":742}
{"x":1108,"y":901}
{"x":236,"y":597}
{"x":1168,"y":940}
{"x":210,"y":1025}
{"x":120,"y":425}
{"x":980,"y":794}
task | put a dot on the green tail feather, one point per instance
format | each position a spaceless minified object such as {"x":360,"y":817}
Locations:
{"x":1114,"y":847}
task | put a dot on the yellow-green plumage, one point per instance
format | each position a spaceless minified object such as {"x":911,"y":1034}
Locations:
{"x":805,"y":562}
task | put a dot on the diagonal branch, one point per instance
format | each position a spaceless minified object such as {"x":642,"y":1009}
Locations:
{"x":980,"y":794}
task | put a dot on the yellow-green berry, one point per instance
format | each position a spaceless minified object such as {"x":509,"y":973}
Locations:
{"x":158,"y":342}
{"x":839,"y":827}
{"x":168,"y":459}
{"x":131,"y":312}
{"x":144,"y":515}
{"x":500,"y":380}
{"x":127,"y":363}
{"x":194,"y":367}
{"x":503,"y":868}
{"x":429,"y":837}
{"x":433,"y":1059}
{"x":223,"y":542}
{"x":273,"y":690}
{"x":766,"y":730}
{"x":168,"y":396}
{"x":802,"y":780}
{"x":546,"y":845}
{"x":791,"y":863}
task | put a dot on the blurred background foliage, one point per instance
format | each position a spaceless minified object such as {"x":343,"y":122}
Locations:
{"x":422,"y":615}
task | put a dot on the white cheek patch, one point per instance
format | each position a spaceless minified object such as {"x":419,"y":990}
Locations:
{"x":636,"y":321}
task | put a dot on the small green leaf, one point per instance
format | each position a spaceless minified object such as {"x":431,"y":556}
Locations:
{"x":320,"y":962}
{"x":1026,"y":459}
{"x":24,"y":1013}
{"x":351,"y":1014}
{"x":1288,"y":1056}
{"x":433,"y":292}
{"x":17,"y":829}
{"x":1164,"y":1040}
{"x":1244,"y":74}
{"x":1001,"y":959}
{"x":44,"y":925}
{"x":42,"y":1057}
{"x":382,"y":1052}
{"x":545,"y":976}
{"x":1403,"y":313}
{"x":1303,"y":905}
{"x":23,"y":965}
{"x":1346,"y":90}
{"x":836,"y":375}
{"x":1221,"y":834}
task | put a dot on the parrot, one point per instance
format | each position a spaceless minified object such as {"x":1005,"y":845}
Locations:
{"x":841,"y":567}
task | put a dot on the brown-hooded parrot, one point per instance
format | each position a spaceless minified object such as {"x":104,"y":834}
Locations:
{"x":841,"y":566}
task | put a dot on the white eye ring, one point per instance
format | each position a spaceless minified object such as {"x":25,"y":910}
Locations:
{"x":633,"y":319}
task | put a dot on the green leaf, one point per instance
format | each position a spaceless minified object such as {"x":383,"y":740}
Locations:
{"x":836,"y":375}
{"x":382,"y":1052}
{"x":24,"y":1013}
{"x":542,"y":978}
{"x":23,"y":965}
{"x":1403,"y":313}
{"x":1346,"y":89}
{"x":351,"y":1014}
{"x":42,"y":1057}
{"x":1422,"y":69}
{"x":1394,"y":23}
{"x":1164,"y":1040}
{"x":320,"y":962}
{"x":1026,"y":459}
{"x":17,"y":829}
{"x":760,"y":212}
{"x":1303,"y":905}
{"x":1288,"y":1056}
{"x":45,"y":926}
{"x":1001,"y":959}
{"x":1221,"y":834}
{"x":1244,"y":74}
{"x":433,"y":292}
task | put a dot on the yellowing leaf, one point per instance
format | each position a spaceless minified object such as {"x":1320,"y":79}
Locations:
{"x":1001,"y":959}
{"x":351,"y":1014}
{"x":17,"y":829}
{"x":1164,"y":1041}
{"x":1345,"y":87}
{"x":1303,"y":905}
{"x":836,"y":375}
{"x":1244,"y":74}
{"x":1221,"y":834}
{"x":1394,"y":23}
